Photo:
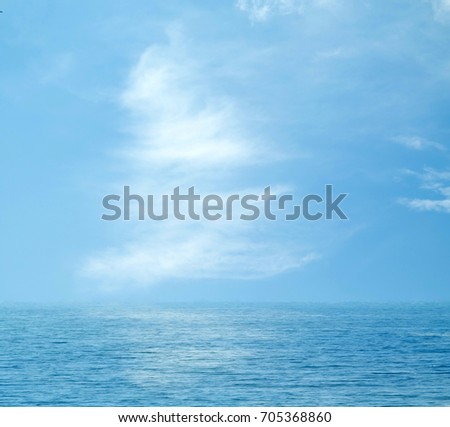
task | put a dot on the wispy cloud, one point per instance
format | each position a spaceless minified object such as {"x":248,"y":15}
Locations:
{"x":261,"y":10}
{"x":192,"y":251}
{"x":417,"y":143}
{"x":438,"y":182}
{"x":428,"y":204}
{"x":441,"y":10}
{"x":183,"y":135}
{"x":176,"y":123}
{"x":57,"y":68}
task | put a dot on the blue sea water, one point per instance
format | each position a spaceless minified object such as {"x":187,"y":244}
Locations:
{"x":226,"y":355}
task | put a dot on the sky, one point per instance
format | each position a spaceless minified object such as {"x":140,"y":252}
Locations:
{"x":229,"y":97}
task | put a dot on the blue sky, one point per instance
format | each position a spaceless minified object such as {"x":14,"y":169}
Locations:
{"x":226,"y":96}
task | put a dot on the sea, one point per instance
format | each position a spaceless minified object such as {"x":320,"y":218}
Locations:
{"x":225,"y":355}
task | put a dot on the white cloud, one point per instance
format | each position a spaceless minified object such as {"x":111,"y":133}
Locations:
{"x":182,"y":135}
{"x":258,"y":10}
{"x":428,"y":204}
{"x":261,"y":10}
{"x":438,"y":182}
{"x":176,"y":123}
{"x":417,"y":143}
{"x":340,"y":52}
{"x":441,"y":10}
{"x":193,"y":252}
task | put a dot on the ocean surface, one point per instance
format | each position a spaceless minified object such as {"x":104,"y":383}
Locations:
{"x":226,"y":355}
